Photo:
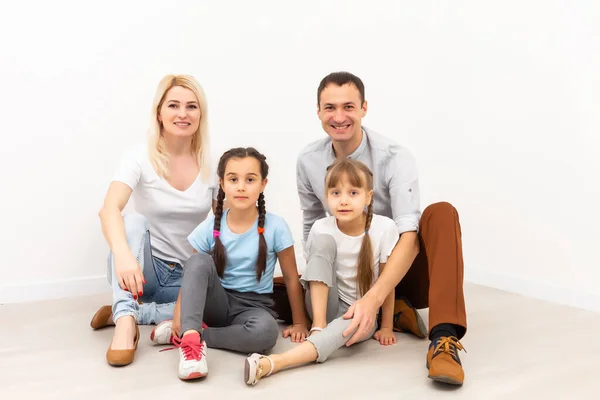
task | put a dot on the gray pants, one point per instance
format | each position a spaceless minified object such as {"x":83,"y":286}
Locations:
{"x":320,"y":268}
{"x":243,"y":322}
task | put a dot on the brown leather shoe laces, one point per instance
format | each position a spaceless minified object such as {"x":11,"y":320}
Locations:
{"x":449,"y":345}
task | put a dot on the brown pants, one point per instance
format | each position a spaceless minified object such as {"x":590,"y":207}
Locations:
{"x":434,"y":280}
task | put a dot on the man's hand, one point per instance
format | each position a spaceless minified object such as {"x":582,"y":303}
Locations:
{"x":363,"y":314}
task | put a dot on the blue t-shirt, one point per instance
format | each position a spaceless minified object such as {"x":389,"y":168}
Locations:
{"x":242,"y":251}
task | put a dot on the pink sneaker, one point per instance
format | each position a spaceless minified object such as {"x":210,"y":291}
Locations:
{"x":192,"y":357}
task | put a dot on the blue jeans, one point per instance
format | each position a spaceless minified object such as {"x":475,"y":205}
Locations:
{"x":163,"y":278}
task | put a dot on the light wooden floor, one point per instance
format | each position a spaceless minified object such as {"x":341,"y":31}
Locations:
{"x":518,"y":348}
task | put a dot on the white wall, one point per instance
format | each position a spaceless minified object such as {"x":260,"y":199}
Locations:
{"x":498,"y":101}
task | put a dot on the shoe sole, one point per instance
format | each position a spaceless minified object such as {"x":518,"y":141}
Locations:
{"x":246,"y":372}
{"x":95,"y":324}
{"x":119,"y":364}
{"x":443,"y":378}
{"x":420,"y":323}
{"x":193,"y":375}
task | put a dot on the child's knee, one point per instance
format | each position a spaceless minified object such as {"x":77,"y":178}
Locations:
{"x":199,"y":263}
{"x":263,"y":334}
{"x":270,"y":333}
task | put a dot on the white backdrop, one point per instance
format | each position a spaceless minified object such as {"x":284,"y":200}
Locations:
{"x":497,"y":100}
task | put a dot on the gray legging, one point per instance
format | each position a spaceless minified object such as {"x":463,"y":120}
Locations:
{"x":320,"y":268}
{"x":243,"y":322}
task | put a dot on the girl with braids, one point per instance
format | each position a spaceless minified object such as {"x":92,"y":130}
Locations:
{"x":225,"y":298}
{"x":345,"y":254}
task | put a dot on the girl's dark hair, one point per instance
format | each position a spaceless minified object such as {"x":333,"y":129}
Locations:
{"x":360,"y":176}
{"x":218,"y":253}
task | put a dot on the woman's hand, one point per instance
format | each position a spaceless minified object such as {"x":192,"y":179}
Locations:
{"x":297,"y":332}
{"x":129,"y":274}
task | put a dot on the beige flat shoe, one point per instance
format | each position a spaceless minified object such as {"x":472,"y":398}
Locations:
{"x":120,"y":358}
{"x":102,"y":318}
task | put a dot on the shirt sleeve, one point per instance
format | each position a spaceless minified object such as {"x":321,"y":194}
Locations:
{"x":312,"y":208}
{"x":201,"y":237}
{"x":388,"y":241}
{"x":403,"y":183}
{"x":283,"y":236}
{"x":129,"y":170}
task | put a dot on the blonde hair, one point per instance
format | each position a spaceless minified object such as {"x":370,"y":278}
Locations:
{"x":159,"y":157}
{"x":360,"y":176}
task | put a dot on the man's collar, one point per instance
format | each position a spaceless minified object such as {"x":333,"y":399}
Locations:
{"x":356,"y":153}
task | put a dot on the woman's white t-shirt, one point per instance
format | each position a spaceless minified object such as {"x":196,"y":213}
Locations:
{"x":172,"y":214}
{"x":384,"y":235}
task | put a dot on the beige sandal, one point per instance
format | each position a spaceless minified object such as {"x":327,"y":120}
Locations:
{"x":253,"y":370}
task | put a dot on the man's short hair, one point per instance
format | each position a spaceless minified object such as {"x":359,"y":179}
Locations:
{"x":341,"y":78}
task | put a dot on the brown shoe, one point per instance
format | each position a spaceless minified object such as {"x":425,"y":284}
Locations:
{"x":120,"y":358}
{"x":102,"y":318}
{"x":407,"y":319}
{"x":443,"y":362}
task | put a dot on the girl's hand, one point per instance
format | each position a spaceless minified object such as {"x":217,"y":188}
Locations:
{"x":129,"y":274}
{"x":385,"y":336}
{"x":175,"y":325}
{"x":297,"y":332}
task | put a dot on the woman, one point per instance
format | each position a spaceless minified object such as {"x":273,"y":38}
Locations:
{"x":173,"y":189}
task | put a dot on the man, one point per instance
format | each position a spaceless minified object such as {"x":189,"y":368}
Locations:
{"x":426,"y":266}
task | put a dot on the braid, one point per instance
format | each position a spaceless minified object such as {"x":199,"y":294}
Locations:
{"x":219,"y":255}
{"x":369,"y":216}
{"x":261,"y":262}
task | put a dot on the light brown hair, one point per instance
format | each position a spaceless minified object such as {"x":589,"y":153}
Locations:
{"x":360,"y":176}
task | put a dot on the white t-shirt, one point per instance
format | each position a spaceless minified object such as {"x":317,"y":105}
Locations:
{"x":172,"y":214}
{"x":384,"y":235}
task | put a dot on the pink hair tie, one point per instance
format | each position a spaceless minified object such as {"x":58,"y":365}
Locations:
{"x":216,"y":234}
